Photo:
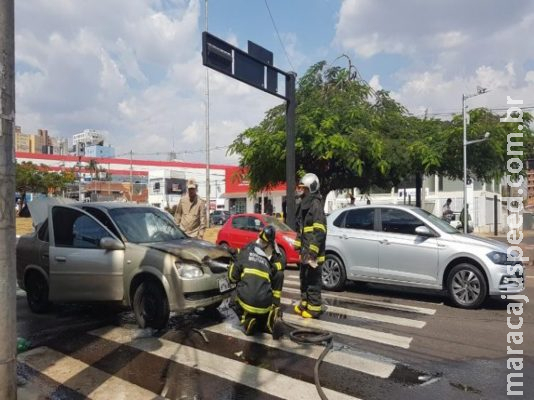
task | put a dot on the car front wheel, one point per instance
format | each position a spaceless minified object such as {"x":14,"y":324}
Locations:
{"x":333,"y":273}
{"x":467,"y":286}
{"x":150,"y":305}
{"x":37,"y":293}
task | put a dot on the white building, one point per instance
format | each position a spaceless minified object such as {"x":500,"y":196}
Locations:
{"x":89,"y":137}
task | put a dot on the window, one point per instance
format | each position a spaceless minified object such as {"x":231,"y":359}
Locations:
{"x":145,"y":224}
{"x":399,"y":221}
{"x":254,"y":224}
{"x":339,"y":220}
{"x":240,"y":223}
{"x":72,"y":228}
{"x":102,"y":218}
{"x":42,"y":234}
{"x":363,"y":219}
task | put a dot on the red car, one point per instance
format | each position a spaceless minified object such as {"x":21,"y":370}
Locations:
{"x":241,"y":229}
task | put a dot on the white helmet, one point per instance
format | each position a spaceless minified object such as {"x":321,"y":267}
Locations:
{"x":310,"y":181}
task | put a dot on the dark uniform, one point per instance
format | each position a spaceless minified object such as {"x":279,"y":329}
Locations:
{"x":311,"y":239}
{"x":259,"y":287}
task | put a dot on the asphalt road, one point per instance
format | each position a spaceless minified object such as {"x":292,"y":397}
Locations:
{"x":389,"y":344}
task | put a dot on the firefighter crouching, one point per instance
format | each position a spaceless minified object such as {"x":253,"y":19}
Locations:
{"x":311,"y":240}
{"x":259,"y":274}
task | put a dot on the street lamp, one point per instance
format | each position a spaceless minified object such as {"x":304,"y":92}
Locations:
{"x":480,"y":90}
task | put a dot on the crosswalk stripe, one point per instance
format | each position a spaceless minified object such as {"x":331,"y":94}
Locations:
{"x":89,"y":381}
{"x":412,"y":323}
{"x":355,"y":362}
{"x":255,"y":377}
{"x":393,"y":306}
{"x":354,"y":331}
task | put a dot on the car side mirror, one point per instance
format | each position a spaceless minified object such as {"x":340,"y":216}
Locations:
{"x":424,"y":231}
{"x":109,"y":243}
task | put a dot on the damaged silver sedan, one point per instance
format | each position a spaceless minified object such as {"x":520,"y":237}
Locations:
{"x":120,"y":253}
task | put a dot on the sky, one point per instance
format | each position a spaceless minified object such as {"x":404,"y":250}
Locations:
{"x":133,"y":68}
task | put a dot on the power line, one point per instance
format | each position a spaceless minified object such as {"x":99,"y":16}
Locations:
{"x":278,"y":34}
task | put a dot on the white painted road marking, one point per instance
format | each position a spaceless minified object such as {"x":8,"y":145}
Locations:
{"x":91,"y":382}
{"x":412,"y":323}
{"x":355,"y":362}
{"x":393,"y":306}
{"x":354,"y":331}
{"x":261,"y":379}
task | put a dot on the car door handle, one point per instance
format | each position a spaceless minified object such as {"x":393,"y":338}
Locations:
{"x":344,"y":236}
{"x":45,"y":257}
{"x":61,"y":259}
{"x":385,"y":241}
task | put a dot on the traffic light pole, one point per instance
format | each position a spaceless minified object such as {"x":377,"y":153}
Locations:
{"x":291,"y":105}
{"x":8,"y":386}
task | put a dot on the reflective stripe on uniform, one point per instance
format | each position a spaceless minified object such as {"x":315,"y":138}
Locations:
{"x":278,"y":266}
{"x":321,"y":259}
{"x":231,"y":271}
{"x":251,"y":309}
{"x":277,"y":293}
{"x":314,"y":308}
{"x":308,"y":229}
{"x":319,"y":226}
{"x":257,"y":272}
{"x":314,"y":248}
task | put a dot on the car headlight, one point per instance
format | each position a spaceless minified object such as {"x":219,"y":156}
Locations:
{"x":502,"y":258}
{"x":189,"y":271}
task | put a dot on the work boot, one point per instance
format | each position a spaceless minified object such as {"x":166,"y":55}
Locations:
{"x":299,"y":308}
{"x":312,"y":311}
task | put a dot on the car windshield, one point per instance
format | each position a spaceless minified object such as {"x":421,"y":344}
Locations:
{"x":441,"y":224}
{"x":278,"y":225}
{"x":145,"y":225}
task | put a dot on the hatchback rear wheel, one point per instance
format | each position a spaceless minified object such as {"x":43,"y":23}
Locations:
{"x":333,"y":273}
{"x":37,"y":292}
{"x":467,"y":286}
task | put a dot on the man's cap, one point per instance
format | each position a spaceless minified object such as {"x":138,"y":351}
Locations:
{"x":191,"y":184}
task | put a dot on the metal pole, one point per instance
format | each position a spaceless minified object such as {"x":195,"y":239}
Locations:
{"x":291,"y":106}
{"x":466,"y":219}
{"x":131,"y":176}
{"x":8,"y":377}
{"x":495,"y":215}
{"x":208,"y":191}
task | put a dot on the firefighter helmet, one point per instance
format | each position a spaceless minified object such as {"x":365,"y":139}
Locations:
{"x":268,"y":234}
{"x":310,"y":181}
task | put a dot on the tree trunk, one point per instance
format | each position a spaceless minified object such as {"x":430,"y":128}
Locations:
{"x":418,"y":189}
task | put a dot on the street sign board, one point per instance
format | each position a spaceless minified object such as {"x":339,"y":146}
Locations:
{"x":254,"y":67}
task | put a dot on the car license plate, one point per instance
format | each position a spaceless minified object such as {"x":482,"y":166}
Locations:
{"x":225,"y":285}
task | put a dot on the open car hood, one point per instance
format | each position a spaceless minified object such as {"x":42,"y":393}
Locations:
{"x":39,"y":207}
{"x":195,"y":250}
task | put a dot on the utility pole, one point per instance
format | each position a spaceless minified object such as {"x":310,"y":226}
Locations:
{"x":131,"y":175}
{"x":8,"y":374}
{"x":208,"y":191}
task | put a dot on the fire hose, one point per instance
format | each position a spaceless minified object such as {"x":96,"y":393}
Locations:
{"x":317,"y":337}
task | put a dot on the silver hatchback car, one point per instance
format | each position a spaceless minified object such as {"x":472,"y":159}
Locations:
{"x":409,"y":246}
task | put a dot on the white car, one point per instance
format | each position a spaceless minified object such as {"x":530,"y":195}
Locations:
{"x":408,"y":246}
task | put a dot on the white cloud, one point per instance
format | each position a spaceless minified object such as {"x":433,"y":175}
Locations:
{"x":132,"y":68}
{"x":447,"y":47}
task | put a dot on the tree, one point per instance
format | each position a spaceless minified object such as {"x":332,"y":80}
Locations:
{"x":338,"y":134}
{"x":39,"y":179}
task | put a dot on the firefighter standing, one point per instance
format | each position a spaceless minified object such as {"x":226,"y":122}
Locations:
{"x":311,"y":238}
{"x":259,"y":274}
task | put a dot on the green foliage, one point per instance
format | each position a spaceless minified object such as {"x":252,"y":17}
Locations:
{"x":38,"y":179}
{"x":351,"y":136}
